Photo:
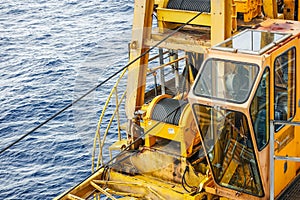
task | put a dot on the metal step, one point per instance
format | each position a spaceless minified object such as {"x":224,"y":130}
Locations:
{"x":293,"y":190}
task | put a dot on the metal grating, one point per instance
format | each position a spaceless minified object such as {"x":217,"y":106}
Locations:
{"x":192,"y":5}
{"x":293,"y":190}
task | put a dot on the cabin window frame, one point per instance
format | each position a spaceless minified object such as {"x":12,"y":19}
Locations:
{"x":204,"y":66}
{"x":266,"y":108}
{"x":209,"y":149}
{"x":291,"y":96}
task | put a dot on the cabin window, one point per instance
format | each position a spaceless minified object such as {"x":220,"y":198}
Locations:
{"x":260,"y":111}
{"x":284,"y":94}
{"x":228,"y":144}
{"x":227,"y":80}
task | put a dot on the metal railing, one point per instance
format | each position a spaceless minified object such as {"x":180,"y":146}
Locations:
{"x":273,"y":157}
{"x":100,"y":140}
{"x":97,"y":137}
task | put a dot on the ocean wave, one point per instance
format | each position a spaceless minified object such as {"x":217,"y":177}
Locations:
{"x":51,"y":52}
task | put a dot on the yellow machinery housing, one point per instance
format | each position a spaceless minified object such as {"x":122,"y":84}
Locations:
{"x":173,"y":125}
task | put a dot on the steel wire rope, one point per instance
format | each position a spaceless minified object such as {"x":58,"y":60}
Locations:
{"x":97,"y":86}
{"x":142,"y":135}
{"x":59,"y":112}
{"x":130,"y":63}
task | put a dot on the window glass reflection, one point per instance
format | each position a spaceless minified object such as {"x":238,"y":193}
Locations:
{"x":252,"y":41}
{"x":226,"y":79}
{"x":260,"y":111}
{"x":227,"y":140}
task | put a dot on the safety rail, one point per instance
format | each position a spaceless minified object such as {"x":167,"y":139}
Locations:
{"x":100,"y":141}
{"x":151,"y":70}
{"x":97,"y":137}
{"x":272,"y":154}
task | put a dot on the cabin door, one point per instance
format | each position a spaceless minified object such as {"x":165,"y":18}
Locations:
{"x":283,"y":108}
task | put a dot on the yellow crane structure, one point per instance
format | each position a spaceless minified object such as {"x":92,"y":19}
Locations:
{"x":220,"y":119}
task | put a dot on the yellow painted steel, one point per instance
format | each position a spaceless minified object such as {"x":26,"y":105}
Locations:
{"x":270,"y":8}
{"x":196,"y":42}
{"x":165,"y":16}
{"x":222,"y":19}
{"x":185,"y":133}
{"x":97,"y":134}
{"x":289,"y":9}
{"x":118,"y":145}
{"x":287,"y":140}
{"x":166,"y":64}
{"x":73,"y":197}
{"x":139,"y":186}
{"x":83,"y":190}
{"x":141,"y":29}
{"x":161,"y":3}
{"x":249,"y":8}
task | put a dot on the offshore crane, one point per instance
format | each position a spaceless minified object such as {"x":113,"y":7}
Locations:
{"x":220,"y":119}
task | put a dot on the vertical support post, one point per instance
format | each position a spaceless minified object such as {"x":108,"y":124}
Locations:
{"x":270,"y":8}
{"x":118,"y":114}
{"x":137,"y":72}
{"x":221,"y":21}
{"x":162,"y":71}
{"x":272,"y":178}
{"x":174,"y":56}
{"x":141,"y":30}
{"x":155,"y":83}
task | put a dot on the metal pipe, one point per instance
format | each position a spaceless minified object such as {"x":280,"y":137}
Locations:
{"x":162,"y":71}
{"x":155,"y":83}
{"x":100,"y":156}
{"x":159,"y":55}
{"x":118,"y":115}
{"x":97,"y":135}
{"x":280,"y":122}
{"x":167,"y":64}
{"x":287,"y":158}
{"x":271,"y":160}
{"x":176,"y":67}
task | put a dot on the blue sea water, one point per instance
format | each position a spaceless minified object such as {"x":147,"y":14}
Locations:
{"x":51,"y":52}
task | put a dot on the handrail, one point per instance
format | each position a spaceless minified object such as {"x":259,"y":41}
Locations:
{"x":106,"y":131}
{"x":98,"y":142}
{"x":157,"y":56}
{"x":272,"y":154}
{"x":272,"y":128}
{"x":151,"y":70}
{"x":97,"y":134}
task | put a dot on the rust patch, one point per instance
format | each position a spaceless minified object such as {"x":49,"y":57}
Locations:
{"x":283,"y":26}
{"x":277,"y":27}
